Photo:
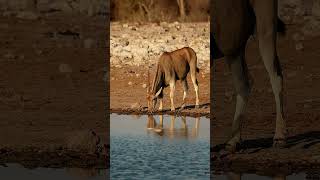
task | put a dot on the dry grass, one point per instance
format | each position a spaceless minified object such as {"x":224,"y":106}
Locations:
{"x":158,"y":11}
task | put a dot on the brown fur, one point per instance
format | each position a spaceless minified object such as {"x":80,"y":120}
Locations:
{"x":173,"y":66}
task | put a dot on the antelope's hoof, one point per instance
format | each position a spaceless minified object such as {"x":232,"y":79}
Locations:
{"x":279,"y":143}
{"x":231,"y":148}
{"x":233,"y":145}
{"x":173,"y":109}
{"x":197,"y":106}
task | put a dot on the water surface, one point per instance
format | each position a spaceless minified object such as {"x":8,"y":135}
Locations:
{"x":159,"y":147}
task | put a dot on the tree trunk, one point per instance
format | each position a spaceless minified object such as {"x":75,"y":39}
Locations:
{"x":182,"y":9}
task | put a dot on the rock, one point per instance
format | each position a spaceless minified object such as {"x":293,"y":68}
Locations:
{"x":297,"y":37}
{"x":88,"y":43}
{"x":299,"y":46}
{"x":144,"y":86}
{"x":143,"y":47}
{"x":292,"y":74}
{"x":65,"y":68}
{"x":136,"y":105}
{"x":125,"y":42}
{"x":28,"y":15}
{"x":21,"y":57}
{"x":61,"y":5}
{"x":130,"y":83}
{"x":316,"y":8}
{"x":9,"y":55}
{"x":39,"y":52}
{"x":85,"y":141}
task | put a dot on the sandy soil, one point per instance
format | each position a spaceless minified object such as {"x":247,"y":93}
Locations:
{"x":51,"y":87}
{"x":299,"y":56}
{"x":130,"y":61}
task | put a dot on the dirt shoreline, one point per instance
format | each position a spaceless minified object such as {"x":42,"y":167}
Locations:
{"x":42,"y":107}
{"x":264,"y":168}
{"x":166,"y":112}
{"x":33,"y":157}
{"x":263,"y":159}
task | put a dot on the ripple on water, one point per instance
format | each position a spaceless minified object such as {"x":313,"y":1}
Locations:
{"x":145,"y":156}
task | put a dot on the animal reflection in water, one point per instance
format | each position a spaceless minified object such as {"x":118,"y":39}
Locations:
{"x":171,"y":131}
{"x":238,"y":176}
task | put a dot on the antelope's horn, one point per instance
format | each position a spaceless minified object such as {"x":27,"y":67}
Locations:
{"x":148,"y":86}
{"x":158,"y":93}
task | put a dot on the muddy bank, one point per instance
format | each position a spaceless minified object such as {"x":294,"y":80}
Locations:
{"x":52,"y":91}
{"x":33,"y":157}
{"x":268,"y":166}
{"x":300,"y":154}
{"x":202,"y":111}
{"x":265,"y":168}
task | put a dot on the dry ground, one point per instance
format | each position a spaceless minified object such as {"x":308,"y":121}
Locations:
{"x":41,"y":107}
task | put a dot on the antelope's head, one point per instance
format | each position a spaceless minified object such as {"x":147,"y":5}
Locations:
{"x":152,"y":96}
{"x":152,"y":99}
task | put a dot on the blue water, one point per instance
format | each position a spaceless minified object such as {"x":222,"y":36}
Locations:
{"x":142,"y":148}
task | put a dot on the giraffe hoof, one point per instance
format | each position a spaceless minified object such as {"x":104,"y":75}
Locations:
{"x":279,"y":143}
{"x":173,"y":109}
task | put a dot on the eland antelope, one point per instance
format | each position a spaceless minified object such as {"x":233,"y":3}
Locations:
{"x":173,"y":66}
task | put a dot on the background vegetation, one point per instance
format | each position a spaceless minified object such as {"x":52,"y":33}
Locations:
{"x":160,"y":10}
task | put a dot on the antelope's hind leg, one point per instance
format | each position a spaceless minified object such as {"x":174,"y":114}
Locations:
{"x":161,"y":101}
{"x":172,"y":89}
{"x":195,"y":83}
{"x":240,"y":78}
{"x":185,"y":92}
